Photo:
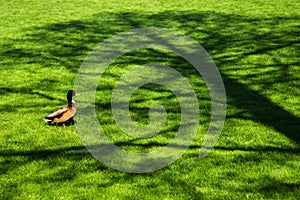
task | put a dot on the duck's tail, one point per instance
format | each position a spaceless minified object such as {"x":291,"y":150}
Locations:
{"x":48,"y":120}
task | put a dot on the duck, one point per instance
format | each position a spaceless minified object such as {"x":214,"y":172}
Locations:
{"x":64,"y":115}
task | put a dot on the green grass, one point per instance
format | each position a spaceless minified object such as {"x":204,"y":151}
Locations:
{"x":255,"y":45}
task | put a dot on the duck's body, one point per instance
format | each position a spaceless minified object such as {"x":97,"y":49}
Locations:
{"x":64,"y":115}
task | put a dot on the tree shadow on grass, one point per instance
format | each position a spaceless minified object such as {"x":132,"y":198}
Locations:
{"x":229,"y":39}
{"x":69,"y":163}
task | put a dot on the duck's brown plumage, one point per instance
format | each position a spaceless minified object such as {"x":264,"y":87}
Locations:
{"x":65,"y":114}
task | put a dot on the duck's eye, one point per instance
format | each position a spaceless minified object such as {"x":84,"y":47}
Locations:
{"x":73,"y":93}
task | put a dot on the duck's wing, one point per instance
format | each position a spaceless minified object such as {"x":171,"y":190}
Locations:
{"x":68,"y":114}
{"x":56,"y":114}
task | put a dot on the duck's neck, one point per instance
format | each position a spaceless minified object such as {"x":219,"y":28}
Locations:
{"x":71,"y":103}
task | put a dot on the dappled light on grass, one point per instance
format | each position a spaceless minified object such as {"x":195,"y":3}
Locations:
{"x":256,"y":49}
{"x":230,"y":39}
{"x":144,"y":97}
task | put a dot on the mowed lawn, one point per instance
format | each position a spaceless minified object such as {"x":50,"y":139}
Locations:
{"x":254,"y":43}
